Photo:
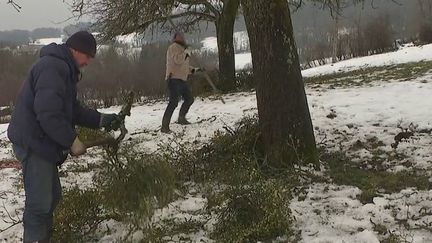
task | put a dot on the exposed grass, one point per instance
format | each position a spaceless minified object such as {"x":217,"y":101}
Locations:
{"x":371,"y":182}
{"x":400,"y":72}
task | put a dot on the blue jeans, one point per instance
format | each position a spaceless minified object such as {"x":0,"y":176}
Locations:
{"x":42,"y":194}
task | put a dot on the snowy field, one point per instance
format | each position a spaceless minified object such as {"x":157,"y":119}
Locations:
{"x":328,"y":212}
{"x":407,"y":53}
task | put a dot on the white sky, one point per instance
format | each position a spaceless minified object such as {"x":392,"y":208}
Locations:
{"x":34,"y":14}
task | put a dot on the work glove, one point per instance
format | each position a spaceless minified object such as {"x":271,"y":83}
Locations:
{"x":194,"y":70}
{"x":110,"y":122}
{"x":77,"y":148}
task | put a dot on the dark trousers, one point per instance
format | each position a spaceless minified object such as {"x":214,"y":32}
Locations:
{"x":42,"y":194}
{"x":177,"y":88}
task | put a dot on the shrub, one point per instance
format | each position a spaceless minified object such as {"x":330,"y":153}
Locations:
{"x":255,"y":212}
{"x":245,"y":80}
{"x":77,"y":216}
{"x":129,"y":187}
{"x":237,"y":151}
{"x":134,"y":184}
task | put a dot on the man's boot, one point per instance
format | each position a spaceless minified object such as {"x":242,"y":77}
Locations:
{"x":182,"y":121}
{"x":165,"y":125}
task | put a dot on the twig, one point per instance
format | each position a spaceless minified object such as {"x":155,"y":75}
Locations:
{"x":210,"y":119}
{"x":14,"y":5}
{"x":13,"y":221}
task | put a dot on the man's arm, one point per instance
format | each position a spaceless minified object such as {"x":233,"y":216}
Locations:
{"x":86,"y":117}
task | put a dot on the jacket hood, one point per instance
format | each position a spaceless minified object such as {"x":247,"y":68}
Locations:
{"x":61,"y":52}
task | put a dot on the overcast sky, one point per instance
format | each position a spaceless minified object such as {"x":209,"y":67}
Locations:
{"x":34,"y":14}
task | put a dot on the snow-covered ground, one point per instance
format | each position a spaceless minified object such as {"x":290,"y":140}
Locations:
{"x":329,"y":212}
{"x":406,"y":53}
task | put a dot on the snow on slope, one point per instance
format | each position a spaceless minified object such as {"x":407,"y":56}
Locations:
{"x":405,"y":54}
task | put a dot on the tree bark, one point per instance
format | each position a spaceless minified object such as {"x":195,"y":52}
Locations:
{"x":284,"y":117}
{"x":335,"y":39}
{"x":225,"y":43}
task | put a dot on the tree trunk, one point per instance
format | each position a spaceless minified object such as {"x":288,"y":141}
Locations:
{"x":225,"y":43}
{"x":284,"y":117}
{"x":335,"y":40}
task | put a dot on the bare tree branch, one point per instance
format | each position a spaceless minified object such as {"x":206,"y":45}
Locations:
{"x":14,"y":5}
{"x":12,"y":221}
{"x":116,"y":17}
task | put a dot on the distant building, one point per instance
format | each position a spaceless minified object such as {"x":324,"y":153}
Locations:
{"x":35,"y":45}
{"x":46,"y":41}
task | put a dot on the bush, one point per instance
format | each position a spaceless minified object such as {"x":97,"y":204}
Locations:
{"x":229,"y":157}
{"x":250,"y":200}
{"x":255,"y":212}
{"x":134,"y":184}
{"x":114,"y":70}
{"x":13,"y":70}
{"x":77,"y":216}
{"x":129,"y":187}
{"x":245,"y":80}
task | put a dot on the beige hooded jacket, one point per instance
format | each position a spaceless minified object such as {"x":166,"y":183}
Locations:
{"x":177,"y":63}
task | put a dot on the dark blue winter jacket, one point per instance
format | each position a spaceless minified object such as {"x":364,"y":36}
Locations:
{"x":47,"y":110}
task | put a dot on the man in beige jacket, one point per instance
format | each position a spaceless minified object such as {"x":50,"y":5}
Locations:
{"x":177,"y":71}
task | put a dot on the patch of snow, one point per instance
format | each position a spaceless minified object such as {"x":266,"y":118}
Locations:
{"x":132,"y":40}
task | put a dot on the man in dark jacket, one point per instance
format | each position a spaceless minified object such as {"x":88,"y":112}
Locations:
{"x":42,"y":128}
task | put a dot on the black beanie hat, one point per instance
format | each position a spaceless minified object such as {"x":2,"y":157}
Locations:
{"x":84,"y":42}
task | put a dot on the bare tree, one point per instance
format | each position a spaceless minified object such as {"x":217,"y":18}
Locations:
{"x":284,"y":117}
{"x":378,"y":35}
{"x":425,"y":7}
{"x":425,"y":27}
{"x":118,"y":17}
{"x":335,"y":39}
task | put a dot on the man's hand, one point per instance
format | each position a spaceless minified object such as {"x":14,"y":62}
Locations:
{"x":110,"y":121}
{"x":77,"y":148}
